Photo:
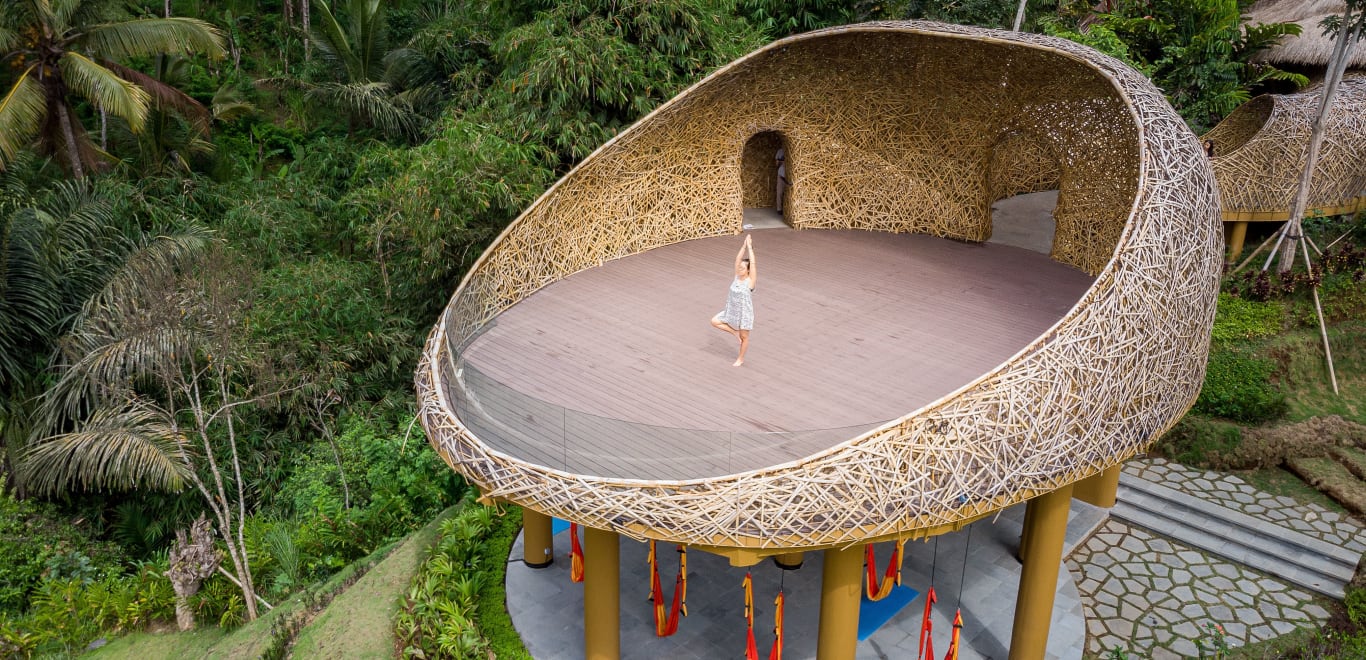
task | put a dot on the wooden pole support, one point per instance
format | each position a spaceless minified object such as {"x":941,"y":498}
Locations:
{"x":1099,"y":490}
{"x":1039,"y":577}
{"x":601,"y":595}
{"x":538,"y":540}
{"x":841,"y":583}
{"x":789,"y":561}
{"x":1236,"y":235}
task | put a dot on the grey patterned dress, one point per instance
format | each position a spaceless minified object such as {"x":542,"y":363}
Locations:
{"x":739,"y":311}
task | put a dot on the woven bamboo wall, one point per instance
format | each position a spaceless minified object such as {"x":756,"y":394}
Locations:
{"x":891,"y":124}
{"x":1260,"y":151}
{"x":1022,"y":163}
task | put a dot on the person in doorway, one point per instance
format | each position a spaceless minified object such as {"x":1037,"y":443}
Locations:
{"x":738,"y":316}
{"x":1209,"y":148}
{"x":782,"y":179}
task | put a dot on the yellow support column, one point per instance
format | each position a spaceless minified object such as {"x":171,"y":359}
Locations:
{"x":1099,"y":490}
{"x":1047,"y":526}
{"x":841,"y":582}
{"x":538,"y":542}
{"x":601,"y":595}
{"x":1236,"y":235}
{"x":789,"y":561}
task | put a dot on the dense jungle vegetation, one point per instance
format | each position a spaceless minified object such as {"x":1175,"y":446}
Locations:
{"x":226,"y":225}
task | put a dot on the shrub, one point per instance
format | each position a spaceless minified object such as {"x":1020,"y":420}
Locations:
{"x":396,"y":485}
{"x":440,"y":612}
{"x":66,"y":614}
{"x":1240,"y":387}
{"x":1196,"y":441}
{"x":1240,"y":319}
{"x":1356,"y":607}
{"x":37,"y":542}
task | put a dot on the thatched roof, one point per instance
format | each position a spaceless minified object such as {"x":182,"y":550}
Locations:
{"x":1311,"y":48}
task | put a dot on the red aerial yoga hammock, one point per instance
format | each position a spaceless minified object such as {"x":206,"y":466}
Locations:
{"x":575,"y":554}
{"x":926,"y":651}
{"x":751,"y":649}
{"x":890,"y":579}
{"x":776,"y":653}
{"x":957,"y":629}
{"x":667,"y":624}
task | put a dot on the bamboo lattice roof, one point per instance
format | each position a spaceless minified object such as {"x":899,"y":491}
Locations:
{"x":889,"y":127}
{"x":1260,"y":150}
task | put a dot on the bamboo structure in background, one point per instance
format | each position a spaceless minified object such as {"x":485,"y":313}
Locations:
{"x":1259,"y":154}
{"x":896,"y":127}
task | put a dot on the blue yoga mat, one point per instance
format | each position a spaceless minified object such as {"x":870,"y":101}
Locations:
{"x":874,"y":614}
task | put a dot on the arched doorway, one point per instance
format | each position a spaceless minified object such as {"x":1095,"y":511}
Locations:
{"x":1024,"y":175}
{"x":760,"y":183}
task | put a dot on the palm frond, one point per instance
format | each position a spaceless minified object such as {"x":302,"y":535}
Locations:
{"x":229,"y":105}
{"x":62,"y":11}
{"x":154,"y":36}
{"x":21,"y":116}
{"x":165,"y":97}
{"x":374,"y":103}
{"x":85,"y":235}
{"x":8,"y":38}
{"x":154,"y":261}
{"x":105,"y":89}
{"x":333,"y":43}
{"x":115,"y":449}
{"x":29,"y":299}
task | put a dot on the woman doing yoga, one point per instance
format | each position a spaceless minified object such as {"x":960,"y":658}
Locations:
{"x":738,"y":316}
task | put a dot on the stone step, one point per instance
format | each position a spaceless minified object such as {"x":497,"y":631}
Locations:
{"x":1297,"y":558}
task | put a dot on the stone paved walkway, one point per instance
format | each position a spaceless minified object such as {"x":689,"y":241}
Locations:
{"x":1234,"y":493}
{"x":1151,"y":596}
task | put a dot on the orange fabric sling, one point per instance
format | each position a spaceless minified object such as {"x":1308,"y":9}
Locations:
{"x":751,"y":649}
{"x":667,"y":623}
{"x":926,"y":651}
{"x":575,"y":554}
{"x":890,"y":579}
{"x":957,"y":630}
{"x":776,"y":653}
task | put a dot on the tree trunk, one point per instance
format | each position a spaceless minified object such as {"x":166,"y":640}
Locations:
{"x":308,"y":25}
{"x":73,"y":153}
{"x":1336,"y":65}
{"x":191,"y":561}
{"x":1019,"y":15}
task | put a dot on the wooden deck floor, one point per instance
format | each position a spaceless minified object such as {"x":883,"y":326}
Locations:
{"x":615,"y":371}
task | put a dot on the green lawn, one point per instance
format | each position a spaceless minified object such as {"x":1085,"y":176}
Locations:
{"x":356,"y":624}
{"x":248,"y":641}
{"x":359,"y":622}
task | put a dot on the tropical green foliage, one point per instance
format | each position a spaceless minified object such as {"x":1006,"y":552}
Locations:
{"x":74,"y":49}
{"x":1197,"y":51}
{"x":258,"y":294}
{"x":439,"y":614}
{"x":37,"y":542}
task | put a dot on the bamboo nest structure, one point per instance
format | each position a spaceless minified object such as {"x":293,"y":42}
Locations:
{"x":1260,"y":150}
{"x":894,"y":127}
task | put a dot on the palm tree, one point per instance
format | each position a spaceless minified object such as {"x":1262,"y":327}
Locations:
{"x":54,"y":250}
{"x":64,"y":49}
{"x":365,"y":90}
{"x":148,"y":390}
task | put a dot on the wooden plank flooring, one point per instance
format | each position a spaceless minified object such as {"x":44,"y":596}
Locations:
{"x":615,"y":371}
